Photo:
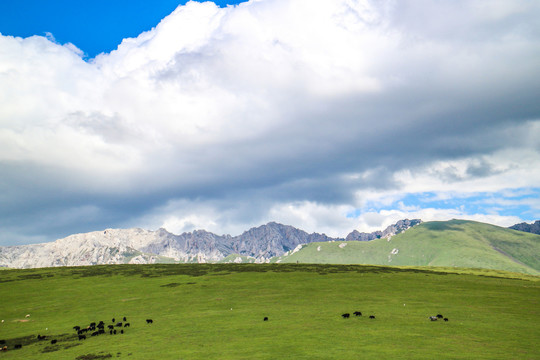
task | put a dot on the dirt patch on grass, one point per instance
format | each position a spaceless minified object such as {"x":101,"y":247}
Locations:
{"x":171,"y":285}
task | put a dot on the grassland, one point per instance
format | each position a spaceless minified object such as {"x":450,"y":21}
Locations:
{"x":203,"y":311}
{"x":455,"y":243}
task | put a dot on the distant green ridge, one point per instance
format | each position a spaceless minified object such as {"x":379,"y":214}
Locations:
{"x":455,"y":243}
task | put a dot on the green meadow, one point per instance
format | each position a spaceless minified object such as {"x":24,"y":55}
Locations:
{"x":216,"y":311}
{"x":455,"y":243}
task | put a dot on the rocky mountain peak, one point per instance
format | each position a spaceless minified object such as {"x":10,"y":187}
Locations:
{"x":533,"y":228}
{"x":391,"y":230}
{"x":139,"y":246}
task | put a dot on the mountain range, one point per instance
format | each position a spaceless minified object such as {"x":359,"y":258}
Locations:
{"x":138,"y":246}
{"x":455,"y":243}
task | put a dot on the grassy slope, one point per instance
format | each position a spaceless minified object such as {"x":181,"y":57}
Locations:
{"x":450,"y":243}
{"x":216,"y":311}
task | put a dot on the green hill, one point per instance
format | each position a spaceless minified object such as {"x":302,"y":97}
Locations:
{"x":216,"y":311}
{"x":455,"y":243}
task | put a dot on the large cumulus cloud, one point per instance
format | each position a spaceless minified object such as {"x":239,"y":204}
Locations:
{"x":305,"y":113}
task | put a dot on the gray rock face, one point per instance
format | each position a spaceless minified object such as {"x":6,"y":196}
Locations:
{"x":391,"y":230}
{"x":533,"y":228}
{"x":138,"y":246}
{"x":272,"y":239}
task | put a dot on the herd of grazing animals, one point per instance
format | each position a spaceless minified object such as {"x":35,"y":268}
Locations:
{"x":358,"y":313}
{"x":99,"y":328}
{"x":94,"y":330}
{"x":439,"y":316}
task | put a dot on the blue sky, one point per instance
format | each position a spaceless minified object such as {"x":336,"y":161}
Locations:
{"x":93,"y":26}
{"x":328,"y":116}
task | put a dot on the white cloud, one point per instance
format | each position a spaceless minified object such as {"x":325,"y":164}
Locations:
{"x":373,"y":221}
{"x":302,"y":110}
{"x":312,"y":217}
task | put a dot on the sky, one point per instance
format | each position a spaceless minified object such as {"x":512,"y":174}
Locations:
{"x":327,"y":116}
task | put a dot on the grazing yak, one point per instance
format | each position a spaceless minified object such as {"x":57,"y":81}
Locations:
{"x":265,"y":318}
{"x":445,"y":319}
{"x":82,"y":337}
{"x":372,"y":316}
{"x":357,"y":313}
{"x":346,"y":315}
{"x":433,"y":318}
{"x":149,"y":321}
{"x":53,"y":341}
